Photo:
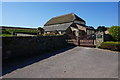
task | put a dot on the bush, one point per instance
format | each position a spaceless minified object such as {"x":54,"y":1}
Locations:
{"x":115,"y":32}
{"x":110,"y":45}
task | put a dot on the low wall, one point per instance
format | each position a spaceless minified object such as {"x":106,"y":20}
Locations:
{"x":20,"y":46}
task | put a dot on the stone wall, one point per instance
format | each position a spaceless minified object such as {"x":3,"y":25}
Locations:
{"x":20,"y":46}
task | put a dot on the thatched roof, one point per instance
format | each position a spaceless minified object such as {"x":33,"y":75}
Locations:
{"x":63,"y":19}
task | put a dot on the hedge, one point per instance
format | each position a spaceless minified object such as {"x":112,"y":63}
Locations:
{"x":110,"y":45}
{"x":9,"y":32}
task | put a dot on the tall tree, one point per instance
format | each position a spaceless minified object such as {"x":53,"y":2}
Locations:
{"x":115,"y":32}
{"x":101,"y":28}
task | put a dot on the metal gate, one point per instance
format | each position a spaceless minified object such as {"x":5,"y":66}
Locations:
{"x":82,"y":42}
{"x":86,"y":43}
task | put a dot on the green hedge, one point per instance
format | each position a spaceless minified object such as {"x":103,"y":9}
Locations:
{"x":110,"y":45}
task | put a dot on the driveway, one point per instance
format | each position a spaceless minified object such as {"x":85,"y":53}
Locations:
{"x":78,"y":62}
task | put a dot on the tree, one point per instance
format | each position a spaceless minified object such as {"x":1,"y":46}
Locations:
{"x":90,"y":27}
{"x":115,"y":32}
{"x":40,"y":30}
{"x":56,"y":32}
{"x":101,"y":28}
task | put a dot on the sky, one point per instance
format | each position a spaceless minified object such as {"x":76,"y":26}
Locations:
{"x":36,"y":14}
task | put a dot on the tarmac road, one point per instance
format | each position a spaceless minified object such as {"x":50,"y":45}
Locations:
{"x":78,"y":62}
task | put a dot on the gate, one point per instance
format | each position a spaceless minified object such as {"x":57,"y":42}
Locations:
{"x":82,"y":42}
{"x":86,"y":43}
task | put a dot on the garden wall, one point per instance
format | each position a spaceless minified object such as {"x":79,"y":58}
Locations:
{"x":21,"y":46}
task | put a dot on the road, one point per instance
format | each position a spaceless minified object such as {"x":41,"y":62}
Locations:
{"x":78,"y":62}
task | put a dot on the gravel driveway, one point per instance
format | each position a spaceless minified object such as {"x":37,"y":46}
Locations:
{"x":78,"y":62}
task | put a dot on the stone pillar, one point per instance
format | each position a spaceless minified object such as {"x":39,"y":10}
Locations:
{"x":99,"y":38}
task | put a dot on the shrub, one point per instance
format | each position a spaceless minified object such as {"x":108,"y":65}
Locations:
{"x":115,"y":32}
{"x":110,"y":45}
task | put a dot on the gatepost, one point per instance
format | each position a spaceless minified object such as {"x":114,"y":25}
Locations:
{"x":99,"y":37}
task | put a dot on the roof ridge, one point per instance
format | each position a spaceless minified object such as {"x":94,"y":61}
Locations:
{"x":63,"y":18}
{"x":74,"y":15}
{"x":63,"y":15}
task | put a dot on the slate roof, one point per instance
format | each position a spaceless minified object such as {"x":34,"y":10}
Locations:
{"x":58,"y":27}
{"x":63,"y":19}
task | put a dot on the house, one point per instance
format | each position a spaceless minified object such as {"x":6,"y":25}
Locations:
{"x":69,"y":24}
